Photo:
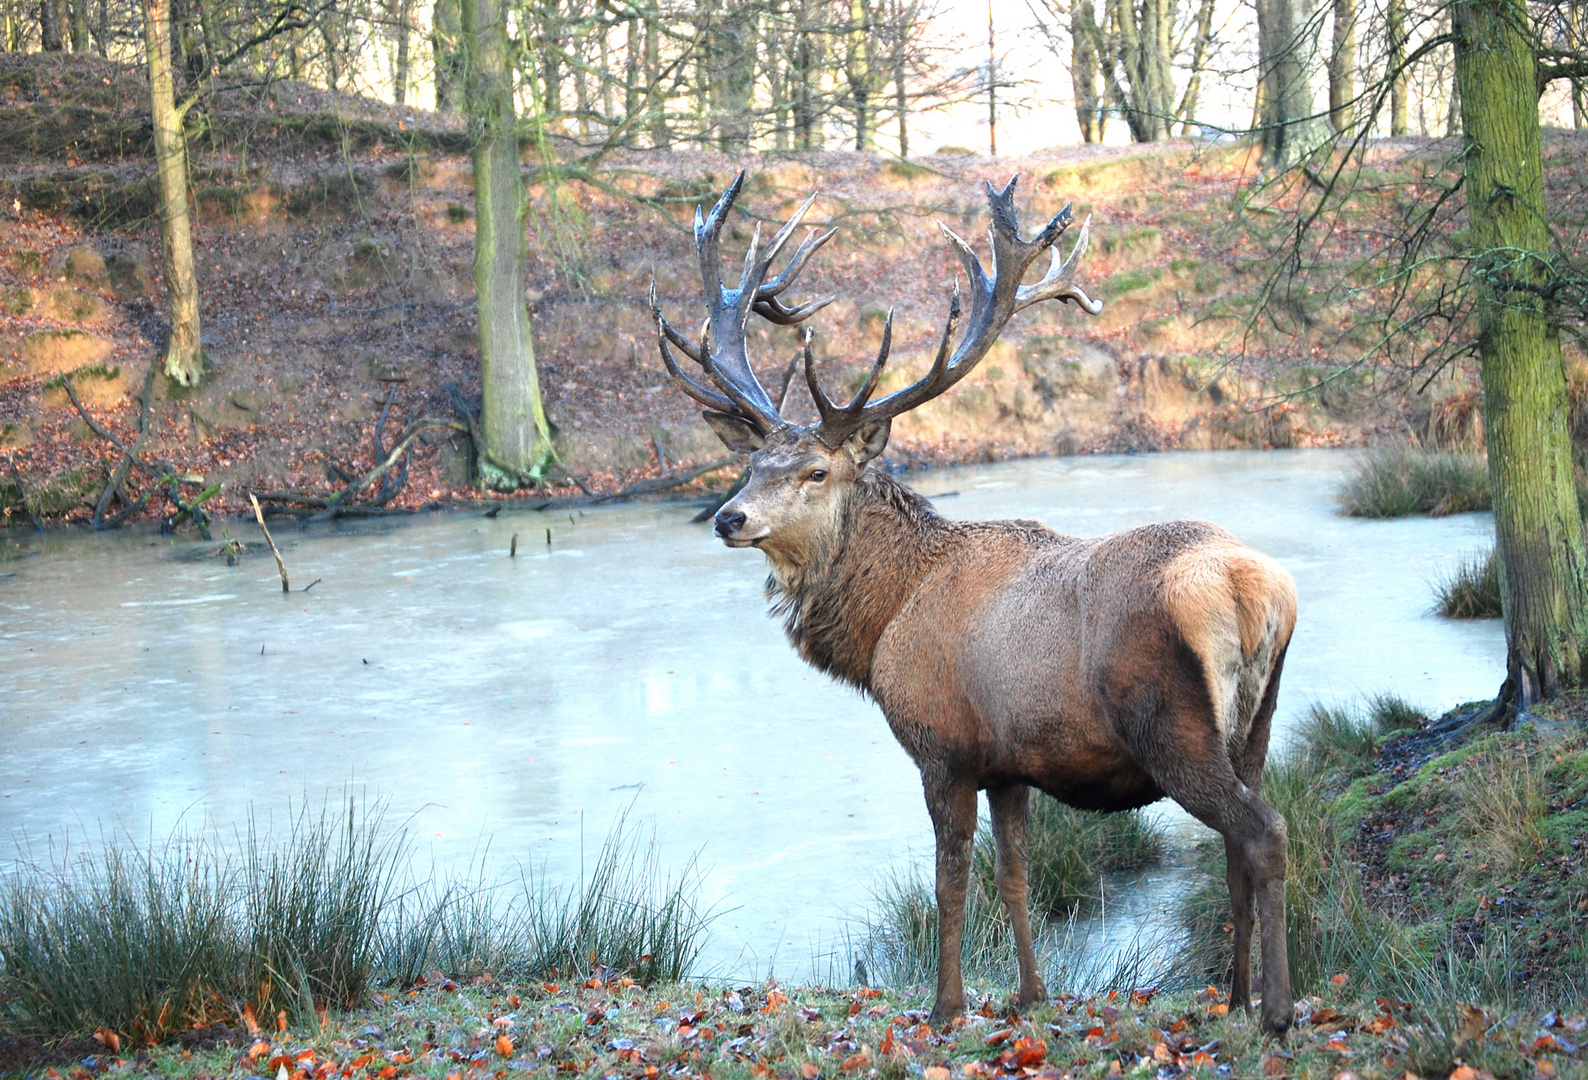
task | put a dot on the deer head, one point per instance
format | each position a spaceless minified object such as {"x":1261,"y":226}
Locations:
{"x":800,"y":475}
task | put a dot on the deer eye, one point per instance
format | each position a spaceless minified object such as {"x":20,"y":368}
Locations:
{"x":817,"y":476}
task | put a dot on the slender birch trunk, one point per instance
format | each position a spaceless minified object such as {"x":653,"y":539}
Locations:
{"x":184,"y":356}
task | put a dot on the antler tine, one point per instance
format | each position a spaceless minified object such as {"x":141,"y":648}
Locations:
{"x":1058,"y":282}
{"x":664,"y":333}
{"x":863,"y":395}
{"x":776,"y":312}
{"x":788,"y":382}
{"x":994,"y":300}
{"x":814,"y":239}
{"x":824,"y":404}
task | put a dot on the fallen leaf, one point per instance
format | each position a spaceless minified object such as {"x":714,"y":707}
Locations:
{"x":1001,"y":1035}
{"x":1340,"y":979}
{"x":1274,"y":1066}
{"x":1475,"y":1023}
{"x":810,"y":1071}
{"x":504,"y":1046}
{"x":931,"y":1072}
{"x":855,"y":1061}
{"x":1464,"y":1072}
{"x":109,"y":1039}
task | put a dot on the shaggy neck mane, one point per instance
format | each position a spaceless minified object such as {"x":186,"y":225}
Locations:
{"x":837,"y":607}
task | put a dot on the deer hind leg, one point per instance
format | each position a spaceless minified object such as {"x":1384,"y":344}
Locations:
{"x":1179,"y":742}
{"x":952,"y":805}
{"x":1010,"y":810}
{"x":1242,"y":888}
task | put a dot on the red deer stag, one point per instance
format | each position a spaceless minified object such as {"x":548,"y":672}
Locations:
{"x":1106,"y":671}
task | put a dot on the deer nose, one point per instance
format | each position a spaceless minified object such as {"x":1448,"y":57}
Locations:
{"x":728,"y":524}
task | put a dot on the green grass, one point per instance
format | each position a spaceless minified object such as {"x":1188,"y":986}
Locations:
{"x":1492,"y":818}
{"x":1069,"y":852}
{"x":1392,"y":482}
{"x":1471,"y":590}
{"x":148,"y":940}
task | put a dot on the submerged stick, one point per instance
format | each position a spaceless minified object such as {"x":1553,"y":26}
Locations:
{"x":259,"y":516}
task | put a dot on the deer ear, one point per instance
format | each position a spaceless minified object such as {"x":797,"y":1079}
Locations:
{"x":736,"y":433}
{"x":870,"y":440}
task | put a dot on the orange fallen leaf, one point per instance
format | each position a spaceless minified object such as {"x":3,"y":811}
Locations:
{"x":810,"y":1071}
{"x":504,"y":1046}
{"x":1029,"y":1053}
{"x":1274,"y":1066}
{"x":935,"y":1072}
{"x":281,"y":1019}
{"x":1340,"y":979}
{"x":110,"y":1040}
{"x":1464,"y":1072}
{"x":1218,"y":1009}
{"x":775,"y":1000}
{"x":1162,"y":1055}
{"x":250,"y":1020}
{"x":258,"y":1050}
{"x":999,"y":1036}
{"x":855,"y":1061}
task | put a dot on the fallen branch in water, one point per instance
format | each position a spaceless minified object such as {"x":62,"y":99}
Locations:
{"x":164,"y":477}
{"x":281,"y":567}
{"x":664,"y":483}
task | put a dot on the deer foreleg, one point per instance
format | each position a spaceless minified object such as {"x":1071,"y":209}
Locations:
{"x":1010,"y":810}
{"x":952,"y":805}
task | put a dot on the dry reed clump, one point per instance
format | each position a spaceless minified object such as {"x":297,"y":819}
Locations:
{"x":1471,"y":590}
{"x":149,"y":940}
{"x":1396,"y":481}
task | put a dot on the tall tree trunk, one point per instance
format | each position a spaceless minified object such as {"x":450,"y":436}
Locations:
{"x":1084,"y":69}
{"x":82,"y":42}
{"x":1538,"y":529}
{"x":901,"y":97}
{"x":732,"y":74}
{"x":631,"y":77}
{"x":1292,"y":122}
{"x":184,"y":357}
{"x":446,"y":44}
{"x":656,"y":121}
{"x":512,"y":418}
{"x":1201,"y":48}
{"x":1395,"y":20}
{"x":1342,"y":65}
{"x":51,"y":32}
{"x":402,"y":16}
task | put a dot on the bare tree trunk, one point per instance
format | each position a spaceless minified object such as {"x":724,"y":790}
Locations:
{"x":1201,"y":48}
{"x":82,"y":42}
{"x":512,"y":418}
{"x":661,"y":136}
{"x":1538,"y":529}
{"x":1342,"y":65}
{"x":402,"y":14}
{"x":992,"y":84}
{"x":446,"y":44}
{"x":901,"y":97}
{"x":1395,"y":19}
{"x":51,"y":32}
{"x":1084,"y":69}
{"x":184,"y":357}
{"x":1292,"y":122}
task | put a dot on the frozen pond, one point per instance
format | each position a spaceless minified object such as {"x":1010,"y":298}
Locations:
{"x":524,"y":700}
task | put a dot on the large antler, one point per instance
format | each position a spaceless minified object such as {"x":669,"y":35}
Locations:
{"x":994,"y":300}
{"x":722,"y":351}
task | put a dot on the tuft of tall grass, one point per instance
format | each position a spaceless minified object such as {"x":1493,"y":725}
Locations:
{"x":1471,"y":590}
{"x":1343,"y":739}
{"x":1501,"y":800}
{"x":625,"y":914}
{"x":311,"y":903}
{"x":1068,"y":851}
{"x":1396,"y":481}
{"x":149,"y":940}
{"x":143,"y":940}
{"x":899,"y":939}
